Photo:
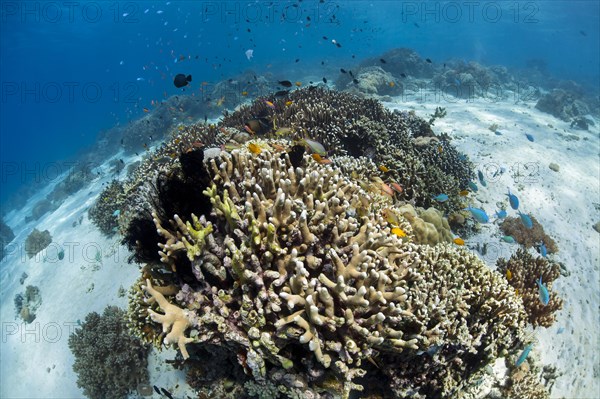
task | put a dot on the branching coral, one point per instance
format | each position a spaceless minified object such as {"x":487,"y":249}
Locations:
{"x":525,"y":271}
{"x":104,"y":213}
{"x":108,"y":361}
{"x":298,"y":272}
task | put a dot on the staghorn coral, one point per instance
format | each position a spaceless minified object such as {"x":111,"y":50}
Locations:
{"x":109,"y":362}
{"x":525,"y":270}
{"x":296,"y":282}
{"x":513,"y":226}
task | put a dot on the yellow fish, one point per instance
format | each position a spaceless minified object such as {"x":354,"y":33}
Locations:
{"x":254,"y":148}
{"x":392,"y":84}
{"x":298,"y":84}
{"x":288,"y":103}
{"x":220,"y":101}
{"x":383,"y":168}
{"x":459,"y":241}
{"x":508,"y":274}
{"x":244,"y":93}
{"x":320,"y":159}
{"x":390,"y":216}
{"x":463,"y":193}
{"x":399,"y":232}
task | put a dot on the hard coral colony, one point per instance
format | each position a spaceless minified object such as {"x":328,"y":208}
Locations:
{"x":292,"y":267}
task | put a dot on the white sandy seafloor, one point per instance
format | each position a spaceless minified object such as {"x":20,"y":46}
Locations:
{"x":37,"y":363}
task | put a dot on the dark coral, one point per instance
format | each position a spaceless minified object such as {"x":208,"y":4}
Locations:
{"x":529,"y":238}
{"x":6,"y":236}
{"x":563,"y":104}
{"x":27,"y":303}
{"x":36,"y":242}
{"x":102,"y":213}
{"x":525,"y":271}
{"x":109,"y":362}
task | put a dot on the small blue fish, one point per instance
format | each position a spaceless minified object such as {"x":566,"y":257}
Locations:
{"x":544,"y":295}
{"x":498,"y":133}
{"x":481,"y":179}
{"x":478,"y":214}
{"x":526,"y":220}
{"x":462,"y":157}
{"x":524,"y":355}
{"x":473,"y":187}
{"x":542,"y":249}
{"x":529,"y":137}
{"x":514,"y":201}
{"x":560,"y":330}
{"x":116,"y":213}
{"x":508,"y":239}
{"x":441,"y":198}
{"x":501,"y":214}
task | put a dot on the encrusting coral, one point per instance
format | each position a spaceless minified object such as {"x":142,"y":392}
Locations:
{"x":296,"y":270}
{"x":525,"y":271}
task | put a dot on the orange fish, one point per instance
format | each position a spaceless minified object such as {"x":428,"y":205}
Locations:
{"x":396,"y":187}
{"x":386,"y":190}
{"x":197,"y":144}
{"x":459,"y":241}
{"x":146,"y":110}
{"x":278,"y":147}
{"x":321,"y":160}
{"x":247,"y":128}
{"x":254,"y":148}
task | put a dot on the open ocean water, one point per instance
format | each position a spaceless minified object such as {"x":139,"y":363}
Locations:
{"x":95,"y":94}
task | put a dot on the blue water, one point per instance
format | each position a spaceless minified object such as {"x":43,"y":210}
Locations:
{"x":71,"y":71}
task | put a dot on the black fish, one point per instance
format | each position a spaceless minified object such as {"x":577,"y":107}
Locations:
{"x":167,"y":393}
{"x":403,"y":74}
{"x":297,"y":59}
{"x":181,"y":80}
{"x":337,"y":44}
{"x":324,"y":80}
{"x":205,"y":119}
{"x":382,"y":61}
{"x":281,"y":93}
{"x":156,"y":389}
{"x":342,"y":70}
{"x":582,"y":33}
{"x":428,"y":60}
{"x":296,"y":153}
{"x":285,"y":83}
{"x":308,"y":18}
{"x":322,"y":62}
{"x":351,"y":74}
{"x":355,"y":81}
{"x":416,"y":24}
{"x":325,"y":38}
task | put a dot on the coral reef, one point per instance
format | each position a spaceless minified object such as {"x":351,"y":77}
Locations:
{"x":429,"y":226}
{"x":347,"y":125}
{"x":525,"y":271}
{"x":26,"y":304}
{"x":6,"y":236}
{"x":529,"y":238}
{"x":106,"y":210}
{"x":400,"y":61}
{"x":109,"y":362}
{"x":36,"y":242}
{"x":370,"y":81}
{"x":562,"y":104}
{"x":296,"y":273}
